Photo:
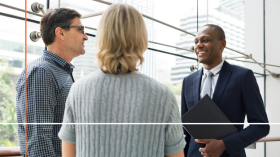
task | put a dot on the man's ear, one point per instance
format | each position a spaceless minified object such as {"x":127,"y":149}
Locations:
{"x":59,"y":33}
{"x":223,"y":44}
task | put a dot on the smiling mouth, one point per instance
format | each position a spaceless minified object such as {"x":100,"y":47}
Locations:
{"x":200,"y":53}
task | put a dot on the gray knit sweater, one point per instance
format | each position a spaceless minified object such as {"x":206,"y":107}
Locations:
{"x":123,"y":98}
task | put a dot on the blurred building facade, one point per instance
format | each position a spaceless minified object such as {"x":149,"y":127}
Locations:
{"x":229,"y":15}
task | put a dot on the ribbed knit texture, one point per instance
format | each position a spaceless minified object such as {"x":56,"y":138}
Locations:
{"x":123,"y":98}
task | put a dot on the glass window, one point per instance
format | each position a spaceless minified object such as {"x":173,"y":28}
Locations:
{"x":165,"y":68}
{"x":230,"y":16}
{"x":12,"y":64}
{"x":8,"y":134}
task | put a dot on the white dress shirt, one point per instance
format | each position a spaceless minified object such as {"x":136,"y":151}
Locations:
{"x":216,"y":71}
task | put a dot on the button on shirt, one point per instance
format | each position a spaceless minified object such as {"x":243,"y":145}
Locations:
{"x":216,"y":71}
{"x":49,"y":79}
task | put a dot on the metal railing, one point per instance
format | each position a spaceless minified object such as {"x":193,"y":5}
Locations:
{"x":246,"y":55}
{"x":148,"y":17}
{"x":9,"y":151}
{"x":15,"y":151}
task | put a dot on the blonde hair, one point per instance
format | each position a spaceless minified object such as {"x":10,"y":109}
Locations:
{"x":121,"y":39}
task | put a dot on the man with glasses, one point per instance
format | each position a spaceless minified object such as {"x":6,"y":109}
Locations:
{"x":49,"y":79}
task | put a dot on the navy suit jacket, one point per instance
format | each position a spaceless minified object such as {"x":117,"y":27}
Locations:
{"x":236,"y":94}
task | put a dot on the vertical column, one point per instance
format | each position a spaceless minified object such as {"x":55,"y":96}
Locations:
{"x":254,"y":44}
{"x":272,"y":33}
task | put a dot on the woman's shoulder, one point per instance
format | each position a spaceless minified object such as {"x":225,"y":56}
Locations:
{"x":92,"y":77}
{"x":135,"y":77}
{"x":152,"y":83}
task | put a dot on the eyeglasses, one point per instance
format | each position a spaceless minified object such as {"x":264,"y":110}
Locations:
{"x":80,"y":27}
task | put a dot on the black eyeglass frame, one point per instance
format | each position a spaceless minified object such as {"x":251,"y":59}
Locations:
{"x":83,"y":27}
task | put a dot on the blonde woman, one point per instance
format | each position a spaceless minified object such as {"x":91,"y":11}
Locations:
{"x":120,"y":94}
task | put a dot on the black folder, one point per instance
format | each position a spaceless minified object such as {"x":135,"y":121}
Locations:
{"x":206,"y":111}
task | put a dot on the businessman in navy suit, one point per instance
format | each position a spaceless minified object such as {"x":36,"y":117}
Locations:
{"x":234,"y":90}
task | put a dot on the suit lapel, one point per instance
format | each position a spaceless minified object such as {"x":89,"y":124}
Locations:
{"x":224,"y":76}
{"x":196,"y":85}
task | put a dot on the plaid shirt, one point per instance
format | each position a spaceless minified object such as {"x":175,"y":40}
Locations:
{"x":49,"y":79}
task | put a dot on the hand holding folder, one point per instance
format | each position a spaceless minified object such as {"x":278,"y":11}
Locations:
{"x":206,"y":111}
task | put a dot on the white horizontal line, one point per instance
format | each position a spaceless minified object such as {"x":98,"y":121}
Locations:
{"x":145,"y":123}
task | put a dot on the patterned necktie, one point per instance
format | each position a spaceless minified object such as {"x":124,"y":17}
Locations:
{"x":208,"y":85}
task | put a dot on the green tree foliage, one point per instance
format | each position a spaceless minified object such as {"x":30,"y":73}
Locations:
{"x":175,"y":89}
{"x":8,"y":132}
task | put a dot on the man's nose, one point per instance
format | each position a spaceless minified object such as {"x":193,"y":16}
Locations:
{"x":198,"y":45}
{"x":85,"y":36}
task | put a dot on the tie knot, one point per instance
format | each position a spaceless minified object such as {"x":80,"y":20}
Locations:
{"x":209,"y":74}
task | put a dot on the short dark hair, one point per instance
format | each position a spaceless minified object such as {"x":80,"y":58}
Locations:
{"x":56,"y":18}
{"x":220,"y":31}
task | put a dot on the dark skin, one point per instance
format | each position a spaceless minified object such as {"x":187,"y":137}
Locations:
{"x":209,"y":48}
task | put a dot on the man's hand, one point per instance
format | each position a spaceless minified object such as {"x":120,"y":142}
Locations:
{"x":213,"y":148}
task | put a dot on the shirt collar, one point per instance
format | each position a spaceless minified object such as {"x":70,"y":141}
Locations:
{"x":214,"y":70}
{"x":58,"y":60}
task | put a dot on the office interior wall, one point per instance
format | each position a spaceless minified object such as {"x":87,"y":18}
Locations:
{"x":254,"y":45}
{"x":272,"y":34}
{"x":258,"y":46}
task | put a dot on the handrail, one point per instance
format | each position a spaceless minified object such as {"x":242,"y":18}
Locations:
{"x":16,"y":150}
{"x":9,"y":151}
{"x":269,"y":139}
